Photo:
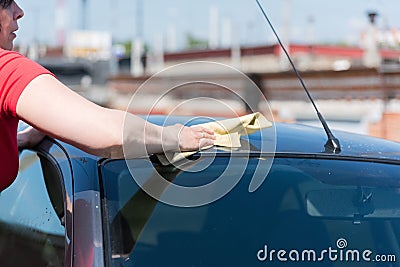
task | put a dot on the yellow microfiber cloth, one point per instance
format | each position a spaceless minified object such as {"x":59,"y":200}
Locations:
{"x":227,"y":133}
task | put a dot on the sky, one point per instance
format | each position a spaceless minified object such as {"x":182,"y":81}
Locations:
{"x":334,"y":21}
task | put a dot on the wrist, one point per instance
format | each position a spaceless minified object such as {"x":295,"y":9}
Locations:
{"x":170,"y":138}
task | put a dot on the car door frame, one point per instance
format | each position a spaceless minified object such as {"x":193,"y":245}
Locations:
{"x":55,"y":153}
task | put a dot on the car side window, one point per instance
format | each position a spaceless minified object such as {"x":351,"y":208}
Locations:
{"x":31,"y":216}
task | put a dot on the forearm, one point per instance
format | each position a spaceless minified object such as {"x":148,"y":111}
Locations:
{"x":140,"y":137}
{"x":117,"y":134}
{"x":123,"y":135}
{"x":136,"y":137}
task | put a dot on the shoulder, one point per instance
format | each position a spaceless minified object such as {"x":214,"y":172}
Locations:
{"x":16,"y":72}
{"x":8,"y":54}
{"x":12,"y":62}
{"x":9,"y":60}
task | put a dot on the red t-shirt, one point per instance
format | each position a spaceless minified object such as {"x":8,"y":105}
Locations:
{"x":16,"y":72}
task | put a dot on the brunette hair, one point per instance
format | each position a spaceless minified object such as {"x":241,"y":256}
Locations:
{"x":5,"y":3}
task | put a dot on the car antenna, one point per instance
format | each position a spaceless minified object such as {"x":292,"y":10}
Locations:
{"x":332,"y":145}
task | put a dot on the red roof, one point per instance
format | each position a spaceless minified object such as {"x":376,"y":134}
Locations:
{"x":320,"y":50}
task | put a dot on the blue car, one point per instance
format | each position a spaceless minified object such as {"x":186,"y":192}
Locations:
{"x":293,"y":205}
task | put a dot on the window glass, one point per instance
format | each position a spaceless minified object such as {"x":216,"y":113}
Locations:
{"x":31,"y":232}
{"x":307,"y":211}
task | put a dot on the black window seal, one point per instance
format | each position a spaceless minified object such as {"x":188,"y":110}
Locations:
{"x":295,"y":155}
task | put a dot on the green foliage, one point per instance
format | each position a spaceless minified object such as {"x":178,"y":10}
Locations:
{"x":128,"y":47}
{"x":195,"y":43}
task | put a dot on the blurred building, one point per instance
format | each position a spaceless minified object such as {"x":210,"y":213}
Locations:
{"x":265,"y":59}
{"x":351,"y":95}
{"x":91,"y":45}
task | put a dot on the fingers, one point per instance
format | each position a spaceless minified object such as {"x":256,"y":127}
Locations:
{"x":195,"y":138}
{"x":202,"y":132}
{"x":206,"y":143}
{"x":205,"y":130}
{"x":205,"y":136}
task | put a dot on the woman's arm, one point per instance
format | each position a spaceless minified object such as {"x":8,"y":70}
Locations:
{"x":54,"y":109}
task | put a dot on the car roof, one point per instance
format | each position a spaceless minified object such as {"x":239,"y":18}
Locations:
{"x":295,"y":138}
{"x":309,"y":139}
{"x":292,"y":139}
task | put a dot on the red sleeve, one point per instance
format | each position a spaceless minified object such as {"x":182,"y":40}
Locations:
{"x":16,"y":72}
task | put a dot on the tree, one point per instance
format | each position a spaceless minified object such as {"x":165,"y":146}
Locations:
{"x":193,"y":42}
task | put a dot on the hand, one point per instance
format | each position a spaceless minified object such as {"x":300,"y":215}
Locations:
{"x":29,"y":138}
{"x":194,"y":138}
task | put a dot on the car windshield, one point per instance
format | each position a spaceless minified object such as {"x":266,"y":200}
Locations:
{"x":312,"y":205}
